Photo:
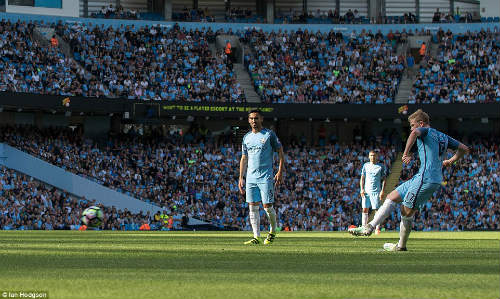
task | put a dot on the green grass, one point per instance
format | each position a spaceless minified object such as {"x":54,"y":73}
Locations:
{"x":218,"y":265}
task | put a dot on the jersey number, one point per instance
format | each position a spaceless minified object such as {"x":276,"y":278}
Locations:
{"x":442,"y":146}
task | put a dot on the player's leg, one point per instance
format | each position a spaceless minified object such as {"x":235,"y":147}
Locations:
{"x":385,"y":210}
{"x":414,"y":199}
{"x":253,"y":199}
{"x":267,"y":195}
{"x":365,"y":205}
{"x":417,"y":195}
{"x":375,"y":203}
{"x":405,"y":225}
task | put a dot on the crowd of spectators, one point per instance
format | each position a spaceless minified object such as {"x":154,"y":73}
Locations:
{"x":241,"y":15}
{"x":154,"y":63}
{"x":160,"y":63}
{"x":454,"y":17}
{"x":26,"y":66}
{"x":406,"y":18}
{"x":466,"y":70}
{"x":148,"y":63}
{"x":111,"y":12}
{"x":307,"y":67}
{"x":290,"y":16}
{"x":231,"y":15}
{"x":194,"y":15}
{"x":318,"y":16}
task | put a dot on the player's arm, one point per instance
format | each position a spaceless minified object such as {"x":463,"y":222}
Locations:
{"x":384,"y":178}
{"x":362,"y":185}
{"x":461,"y":150}
{"x":278,"y":178}
{"x":362,"y":182}
{"x":243,"y":169}
{"x":381,"y":196}
{"x":415,"y":133}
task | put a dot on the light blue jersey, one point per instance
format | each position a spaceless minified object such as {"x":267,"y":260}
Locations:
{"x":374,"y":175}
{"x":260,"y":147}
{"x":432,"y":147}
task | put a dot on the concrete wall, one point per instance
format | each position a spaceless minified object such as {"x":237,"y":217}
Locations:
{"x":490,"y":8}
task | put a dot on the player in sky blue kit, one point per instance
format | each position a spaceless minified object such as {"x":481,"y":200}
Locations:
{"x":371,"y":185}
{"x":432,"y":148}
{"x":258,"y":148}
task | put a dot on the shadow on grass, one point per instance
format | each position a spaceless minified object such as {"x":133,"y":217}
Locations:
{"x":223,"y":260}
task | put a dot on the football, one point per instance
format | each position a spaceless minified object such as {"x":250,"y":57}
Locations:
{"x":92,"y":216}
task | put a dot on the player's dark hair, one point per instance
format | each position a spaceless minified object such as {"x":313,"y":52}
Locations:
{"x":255,"y":111}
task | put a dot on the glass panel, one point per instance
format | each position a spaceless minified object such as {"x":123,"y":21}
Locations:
{"x":49,"y":3}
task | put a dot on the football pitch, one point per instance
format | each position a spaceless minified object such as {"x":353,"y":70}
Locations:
{"x":69,"y":264}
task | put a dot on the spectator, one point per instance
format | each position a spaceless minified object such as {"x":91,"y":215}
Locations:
{"x":54,"y":42}
{"x":422,"y":51}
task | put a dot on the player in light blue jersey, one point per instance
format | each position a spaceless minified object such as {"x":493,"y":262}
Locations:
{"x":258,"y":148}
{"x":432,"y":148}
{"x":371,"y":184}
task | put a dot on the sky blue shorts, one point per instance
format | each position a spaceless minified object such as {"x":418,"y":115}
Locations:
{"x":372,"y":200}
{"x":257,"y":192}
{"x":415,"y":192}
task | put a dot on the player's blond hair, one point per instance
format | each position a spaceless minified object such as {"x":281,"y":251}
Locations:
{"x":419,"y":115}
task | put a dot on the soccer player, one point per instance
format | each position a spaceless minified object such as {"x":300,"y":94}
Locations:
{"x":432,"y":148}
{"x":371,"y":184}
{"x":258,"y":148}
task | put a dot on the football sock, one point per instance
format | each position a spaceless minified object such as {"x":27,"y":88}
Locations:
{"x":404,"y":230}
{"x":378,"y":226}
{"x":364,"y":218}
{"x":271,"y":214}
{"x":255,"y":220}
{"x":382,"y":213}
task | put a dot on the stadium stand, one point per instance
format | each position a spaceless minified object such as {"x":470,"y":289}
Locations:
{"x":160,"y":63}
{"x":152,"y":63}
{"x":466,"y":70}
{"x":307,"y":67}
{"x":26,"y":66}
{"x":176,"y":65}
